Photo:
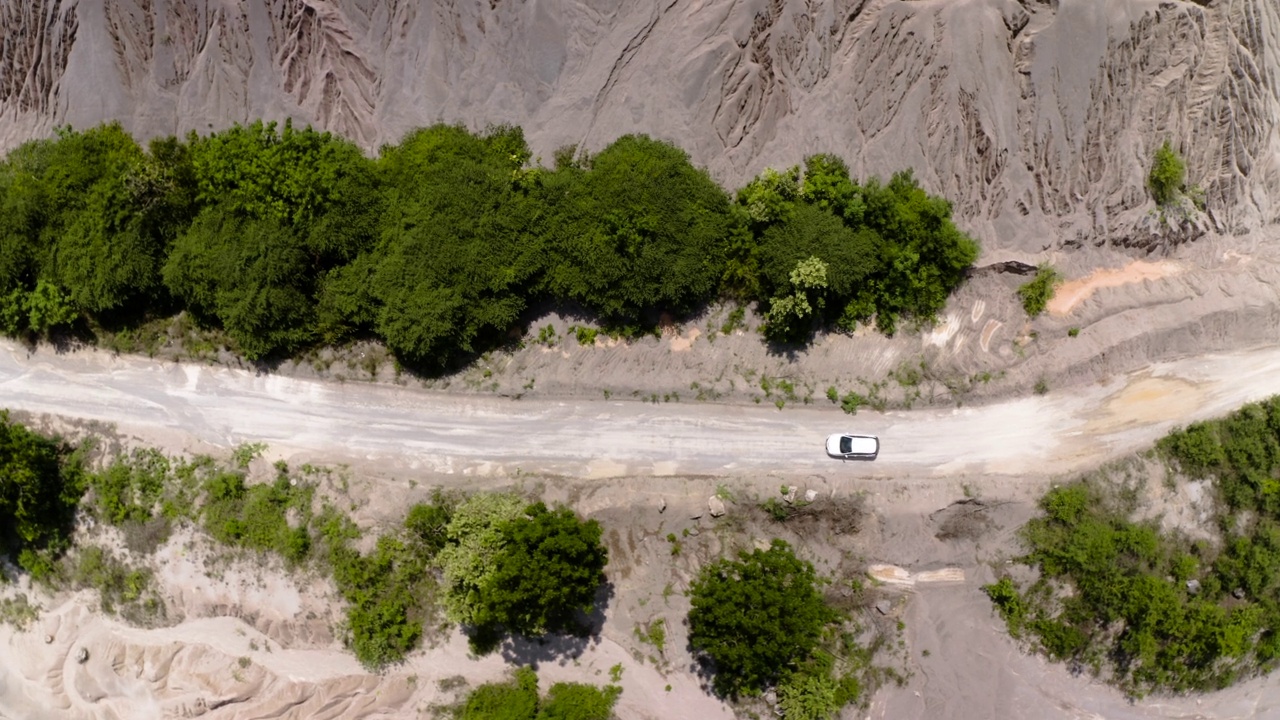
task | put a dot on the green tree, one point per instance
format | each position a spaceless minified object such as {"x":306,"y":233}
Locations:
{"x":281,"y":211}
{"x":757,"y":617}
{"x":250,"y":275}
{"x":475,"y":542}
{"x":47,"y":308}
{"x":790,"y":317}
{"x":80,"y":214}
{"x":770,"y":197}
{"x":925,"y":256}
{"x":1168,"y":175}
{"x":40,"y":488}
{"x":459,"y":250}
{"x":828,"y":186}
{"x":550,"y":568}
{"x":641,"y":231}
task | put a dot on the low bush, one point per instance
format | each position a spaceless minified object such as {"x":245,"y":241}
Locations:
{"x":1037,"y":293}
{"x":517,"y":699}
{"x":1168,"y":175}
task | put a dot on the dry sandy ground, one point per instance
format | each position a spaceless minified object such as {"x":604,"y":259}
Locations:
{"x":305,"y":420}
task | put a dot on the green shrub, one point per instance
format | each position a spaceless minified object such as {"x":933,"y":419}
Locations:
{"x":852,"y":401}
{"x":733,"y":321}
{"x":256,"y":517}
{"x":586,"y":336}
{"x":41,"y":482}
{"x":757,"y":617}
{"x":1004,"y":594}
{"x":516,"y":699}
{"x":1161,"y":613}
{"x":808,"y":696}
{"x":1037,"y":293}
{"x":577,"y":701}
{"x":428,"y":523}
{"x":1168,"y":175}
{"x":130,"y":487}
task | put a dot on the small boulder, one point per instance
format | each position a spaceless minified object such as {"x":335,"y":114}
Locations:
{"x":790,"y":495}
{"x":662,"y":506}
{"x":1238,"y":593}
{"x":693,"y":532}
{"x":715,"y":506}
{"x":810,"y":495}
{"x":82,"y":656}
{"x":696,"y":516}
{"x":884,"y":607}
{"x":48,"y":639}
{"x":1193,"y":586}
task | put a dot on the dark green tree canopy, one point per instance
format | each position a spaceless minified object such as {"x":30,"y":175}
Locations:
{"x":442,"y":245}
{"x":550,"y":569}
{"x":40,"y":488}
{"x":640,"y":231}
{"x":756,"y":617}
{"x":458,"y":250}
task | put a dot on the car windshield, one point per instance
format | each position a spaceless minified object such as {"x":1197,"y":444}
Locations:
{"x":846,"y":444}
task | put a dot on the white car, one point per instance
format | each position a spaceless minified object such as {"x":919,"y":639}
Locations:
{"x":853,"y":447}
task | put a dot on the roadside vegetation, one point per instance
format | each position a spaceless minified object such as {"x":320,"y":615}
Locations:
{"x":494,"y":563}
{"x":518,"y":699}
{"x":278,"y":240}
{"x":1153,"y":610}
{"x":761,"y":621}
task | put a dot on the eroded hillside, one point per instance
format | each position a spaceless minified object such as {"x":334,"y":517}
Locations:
{"x":1037,"y":119}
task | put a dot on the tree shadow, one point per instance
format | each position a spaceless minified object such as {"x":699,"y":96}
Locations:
{"x":704,"y":669}
{"x":560,"y":648}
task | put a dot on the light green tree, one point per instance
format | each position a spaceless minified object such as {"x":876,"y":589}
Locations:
{"x":474,"y":540}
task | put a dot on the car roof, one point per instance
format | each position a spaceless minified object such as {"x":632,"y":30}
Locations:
{"x":863,"y":444}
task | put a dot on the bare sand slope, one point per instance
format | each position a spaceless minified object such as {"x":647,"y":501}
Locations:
{"x":1037,"y":119}
{"x":442,"y":433}
{"x":222,"y":667}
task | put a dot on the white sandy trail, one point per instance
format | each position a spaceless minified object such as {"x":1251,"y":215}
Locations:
{"x":1065,"y":430}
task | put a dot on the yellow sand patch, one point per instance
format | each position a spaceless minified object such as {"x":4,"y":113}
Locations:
{"x":680,"y":343}
{"x":894,"y":575}
{"x":1073,"y":292}
{"x":1145,"y":400}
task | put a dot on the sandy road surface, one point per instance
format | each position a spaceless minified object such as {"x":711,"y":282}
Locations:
{"x":1065,"y":430}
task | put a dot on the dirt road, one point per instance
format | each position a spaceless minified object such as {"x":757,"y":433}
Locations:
{"x":1065,"y":430}
{"x":1022,"y":440}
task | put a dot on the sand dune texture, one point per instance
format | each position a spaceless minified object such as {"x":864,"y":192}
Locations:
{"x":1038,"y":120}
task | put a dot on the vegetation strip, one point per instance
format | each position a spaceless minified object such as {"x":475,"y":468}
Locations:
{"x":278,"y":240}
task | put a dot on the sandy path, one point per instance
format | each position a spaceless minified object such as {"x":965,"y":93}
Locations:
{"x":1073,"y":292}
{"x":1060,"y":432}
